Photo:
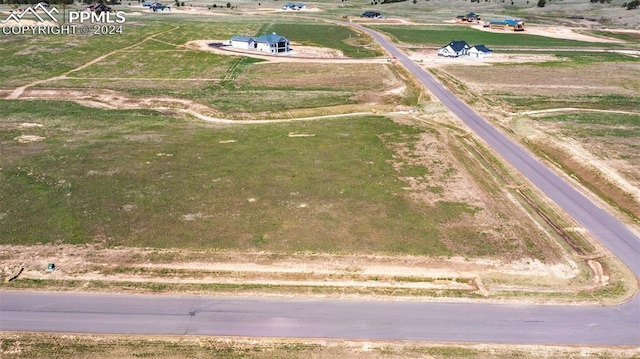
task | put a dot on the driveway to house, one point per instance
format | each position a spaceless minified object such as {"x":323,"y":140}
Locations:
{"x":366,"y":320}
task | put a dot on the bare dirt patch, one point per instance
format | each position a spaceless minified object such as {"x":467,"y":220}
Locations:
{"x":429,"y":58}
{"x":531,"y":80}
{"x":135,"y":265}
{"x":108,"y":99}
{"x":596,"y":163}
{"x":29,"y":138}
{"x":89,"y":346}
{"x":30,"y":125}
{"x":298,"y":54}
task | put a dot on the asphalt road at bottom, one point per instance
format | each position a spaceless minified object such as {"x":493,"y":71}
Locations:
{"x":336,"y":319}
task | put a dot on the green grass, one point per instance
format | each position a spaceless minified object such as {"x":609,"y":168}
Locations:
{"x":442,"y":35}
{"x":630,"y":37}
{"x":598,"y":124}
{"x":160,"y":64}
{"x":347,"y":40}
{"x":28,"y":58}
{"x":139,"y":179}
{"x":244,"y":102}
{"x":305,"y":32}
{"x":581,"y":58}
{"x":601,"y":102}
{"x":207,"y":28}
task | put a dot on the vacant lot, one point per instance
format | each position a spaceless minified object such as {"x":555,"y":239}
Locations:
{"x":19,"y":345}
{"x":583,"y":114}
{"x":566,"y":84}
{"x":137,"y":178}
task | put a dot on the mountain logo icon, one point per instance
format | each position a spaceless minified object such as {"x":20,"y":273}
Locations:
{"x":33,"y":11}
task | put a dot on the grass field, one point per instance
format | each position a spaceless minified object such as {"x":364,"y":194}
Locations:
{"x":598,"y":124}
{"x":150,"y":60}
{"x":345,"y":39}
{"x":610,"y":137}
{"x":441,"y":35}
{"x":140,"y":179}
{"x":26,"y":59}
{"x":355,"y":185}
{"x":586,"y":80}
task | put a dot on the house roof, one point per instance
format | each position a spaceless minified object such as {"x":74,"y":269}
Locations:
{"x":510,"y":22}
{"x":472,"y":14}
{"x":482,"y":48}
{"x":270,"y":38}
{"x":291,"y":5}
{"x":371,"y":13}
{"x":458,"y":46}
{"x":241,"y":38}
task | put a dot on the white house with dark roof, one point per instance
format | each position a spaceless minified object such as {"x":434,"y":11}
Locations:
{"x":271,"y":43}
{"x":462,"y":49}
{"x":454,"y":49}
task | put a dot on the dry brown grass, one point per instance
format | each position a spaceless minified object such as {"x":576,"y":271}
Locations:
{"x":528,"y":80}
{"x":30,"y":345}
{"x":305,"y":75}
{"x":595,"y":153}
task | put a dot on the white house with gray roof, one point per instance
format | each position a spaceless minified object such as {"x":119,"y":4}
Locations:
{"x":462,"y":49}
{"x":271,"y":43}
{"x":479,"y":51}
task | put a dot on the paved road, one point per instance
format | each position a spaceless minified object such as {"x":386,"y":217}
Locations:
{"x":452,"y":322}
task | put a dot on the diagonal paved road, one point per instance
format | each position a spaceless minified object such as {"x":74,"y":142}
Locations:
{"x":470,"y":322}
{"x":609,"y":230}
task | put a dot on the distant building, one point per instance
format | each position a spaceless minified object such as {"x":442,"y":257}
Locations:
{"x":294,"y":6}
{"x":470,"y":17}
{"x":507,"y":24}
{"x":98,"y":8}
{"x":454,"y":49}
{"x":271,"y":43}
{"x":371,"y":15}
